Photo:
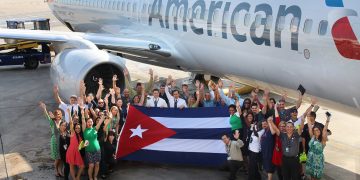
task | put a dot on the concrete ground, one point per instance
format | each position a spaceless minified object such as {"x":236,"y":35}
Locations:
{"x":26,"y":133}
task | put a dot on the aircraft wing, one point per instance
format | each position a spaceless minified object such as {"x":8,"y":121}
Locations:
{"x":141,"y":48}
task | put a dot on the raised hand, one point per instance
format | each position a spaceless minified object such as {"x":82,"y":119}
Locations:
{"x":51,"y":115}
{"x":151,"y":72}
{"x":56,"y":89}
{"x":42,"y":105}
{"x":112,"y":91}
{"x":156,"y":78}
{"x":100,"y":81}
{"x":220,"y":83}
{"x":114,"y":78}
{"x":266,"y":92}
{"x":236,"y":134}
{"x":168,"y":80}
{"x":313,"y":101}
{"x":202,"y":86}
{"x":197,"y":84}
{"x":237,"y":104}
{"x":173,"y":83}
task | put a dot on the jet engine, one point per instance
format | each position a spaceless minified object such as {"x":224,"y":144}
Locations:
{"x":73,"y":65}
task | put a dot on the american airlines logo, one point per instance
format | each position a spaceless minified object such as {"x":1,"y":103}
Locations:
{"x":343,"y":34}
{"x":199,"y":8}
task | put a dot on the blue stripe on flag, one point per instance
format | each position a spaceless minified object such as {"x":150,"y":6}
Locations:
{"x":180,"y":158}
{"x":185,"y":113}
{"x":335,"y":3}
{"x":200,"y":133}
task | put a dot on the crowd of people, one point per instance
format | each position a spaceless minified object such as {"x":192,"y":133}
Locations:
{"x":265,"y":135}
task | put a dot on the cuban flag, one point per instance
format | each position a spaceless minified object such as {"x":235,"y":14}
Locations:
{"x":190,"y":136}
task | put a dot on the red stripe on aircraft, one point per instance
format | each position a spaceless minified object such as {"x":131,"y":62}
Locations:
{"x":345,"y":39}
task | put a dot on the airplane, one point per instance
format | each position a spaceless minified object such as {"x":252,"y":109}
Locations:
{"x":274,"y":44}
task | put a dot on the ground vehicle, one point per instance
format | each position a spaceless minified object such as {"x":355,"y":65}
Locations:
{"x":29,"y":53}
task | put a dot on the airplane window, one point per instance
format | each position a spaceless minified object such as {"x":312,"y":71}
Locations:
{"x":247,"y":19}
{"x":114,"y":6}
{"x":174,"y":11}
{"x":118,"y":5}
{"x":98,"y":4}
{"x":134,"y":7}
{"x":149,"y":8}
{"x":294,"y":25}
{"x":269,"y":20}
{"x":197,"y":13}
{"x":281,"y":24}
{"x":258,"y":20}
{"x":144,"y":8}
{"x":107,"y":4}
{"x":189,"y":13}
{"x":181,"y":11}
{"x":308,"y":25}
{"x":323,"y":27}
{"x":128,"y":7}
{"x":123,"y":6}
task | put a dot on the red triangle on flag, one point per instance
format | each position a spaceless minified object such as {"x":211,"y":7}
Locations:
{"x":140,"y":131}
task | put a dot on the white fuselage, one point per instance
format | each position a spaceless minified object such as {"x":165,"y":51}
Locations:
{"x":254,"y":42}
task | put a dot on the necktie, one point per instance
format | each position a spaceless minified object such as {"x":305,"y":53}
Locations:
{"x":155,"y":102}
{"x":175,"y":104}
{"x":72,"y":110}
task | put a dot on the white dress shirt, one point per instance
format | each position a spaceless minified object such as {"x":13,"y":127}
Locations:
{"x":180,"y":102}
{"x":64,"y":107}
{"x":160,"y":102}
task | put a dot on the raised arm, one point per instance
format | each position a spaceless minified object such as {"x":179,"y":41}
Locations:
{"x":168,"y":95}
{"x":100,"y":90}
{"x":308,"y":110}
{"x":42,"y":106}
{"x":83,"y":90}
{"x":299,"y":101}
{"x":83,"y":123}
{"x":106,"y":101}
{"x":324,"y":132}
{"x":132,"y":92}
{"x":142,"y":98}
{"x":112,"y":93}
{"x":271,"y":124}
{"x":266,"y":100}
{"x":114,"y":79}
{"x":239,"y":142}
{"x":273,"y":128}
{"x":56,"y":95}
{"x":238,"y":108}
{"x":301,"y":125}
{"x":70,"y":122}
{"x":150,"y":84}
{"x":100,"y":122}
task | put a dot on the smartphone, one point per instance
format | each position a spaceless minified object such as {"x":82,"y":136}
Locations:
{"x":328,"y":114}
{"x":301,"y":89}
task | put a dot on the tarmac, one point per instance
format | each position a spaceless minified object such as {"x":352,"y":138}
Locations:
{"x":25,"y":132}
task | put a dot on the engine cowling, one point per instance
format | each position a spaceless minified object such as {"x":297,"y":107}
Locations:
{"x":73,"y":65}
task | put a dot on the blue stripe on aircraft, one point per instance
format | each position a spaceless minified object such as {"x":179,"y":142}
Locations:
{"x":335,"y":3}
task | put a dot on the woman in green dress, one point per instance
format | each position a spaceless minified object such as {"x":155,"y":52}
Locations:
{"x":54,"y":120}
{"x":92,"y":146}
{"x":315,"y":156}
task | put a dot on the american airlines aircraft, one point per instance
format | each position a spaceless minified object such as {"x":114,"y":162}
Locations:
{"x":277,"y":44}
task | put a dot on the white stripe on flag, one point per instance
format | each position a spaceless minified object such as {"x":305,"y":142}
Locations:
{"x":194,"y":123}
{"x":188,"y":145}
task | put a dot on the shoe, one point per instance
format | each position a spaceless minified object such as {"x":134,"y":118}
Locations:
{"x":303,"y":177}
{"x":103,"y":176}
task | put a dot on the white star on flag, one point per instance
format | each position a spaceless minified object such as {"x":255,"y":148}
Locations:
{"x":137,"y":132}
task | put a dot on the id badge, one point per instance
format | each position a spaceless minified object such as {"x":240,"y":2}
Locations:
{"x":229,"y":158}
{"x":287,"y":149}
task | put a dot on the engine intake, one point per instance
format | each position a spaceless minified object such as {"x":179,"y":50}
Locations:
{"x":73,"y":65}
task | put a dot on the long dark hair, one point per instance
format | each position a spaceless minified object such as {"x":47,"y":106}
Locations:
{"x":320,"y":137}
{"x":245,"y":101}
{"x":77,"y":134}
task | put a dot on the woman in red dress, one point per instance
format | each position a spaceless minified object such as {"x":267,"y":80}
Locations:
{"x":73,"y":156}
